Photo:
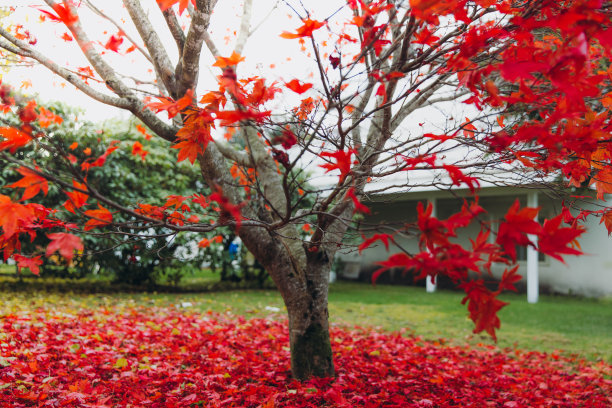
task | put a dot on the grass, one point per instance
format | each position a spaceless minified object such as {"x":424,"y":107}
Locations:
{"x":567,"y":324}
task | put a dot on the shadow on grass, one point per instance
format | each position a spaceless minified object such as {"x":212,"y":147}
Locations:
{"x":85,"y":286}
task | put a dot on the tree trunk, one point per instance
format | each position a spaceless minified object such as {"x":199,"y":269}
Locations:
{"x":311,"y":353}
{"x":302,"y":279}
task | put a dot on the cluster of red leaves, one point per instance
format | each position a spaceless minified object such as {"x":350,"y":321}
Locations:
{"x":440,"y":255}
{"x":164,"y":358}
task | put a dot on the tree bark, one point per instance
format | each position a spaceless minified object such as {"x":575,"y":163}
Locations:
{"x":311,"y":353}
{"x":303,"y":282}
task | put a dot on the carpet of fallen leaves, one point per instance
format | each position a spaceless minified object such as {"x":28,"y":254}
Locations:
{"x":166,"y":357}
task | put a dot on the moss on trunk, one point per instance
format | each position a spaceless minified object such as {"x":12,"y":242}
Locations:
{"x":311,"y":354}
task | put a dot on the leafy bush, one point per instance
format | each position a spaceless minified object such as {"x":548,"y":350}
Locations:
{"x":149,"y":256}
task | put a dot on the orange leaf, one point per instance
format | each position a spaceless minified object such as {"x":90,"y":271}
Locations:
{"x":298,"y":87}
{"x":305,"y":30}
{"x":15,"y":139}
{"x":46,"y":118}
{"x":606,"y":218}
{"x":469,"y":130}
{"x":99,"y":217}
{"x":142,"y":130}
{"x":166,"y":4}
{"x":172,"y":107}
{"x":603,"y":182}
{"x":188,"y":149}
{"x":32,"y":182}
{"x":223,"y":62}
{"x":76,"y":198}
{"x":137,"y":150}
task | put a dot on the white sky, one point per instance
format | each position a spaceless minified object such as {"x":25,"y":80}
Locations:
{"x":266,"y":53}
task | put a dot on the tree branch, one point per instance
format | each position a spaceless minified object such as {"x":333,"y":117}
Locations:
{"x":188,"y":69}
{"x":175,"y":29}
{"x":161,"y":61}
{"x":25,"y":50}
{"x":245,"y":26}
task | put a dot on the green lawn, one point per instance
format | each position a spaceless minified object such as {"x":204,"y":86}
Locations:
{"x":572,"y":325}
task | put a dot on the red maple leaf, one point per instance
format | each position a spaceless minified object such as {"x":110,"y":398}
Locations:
{"x":509,"y":278}
{"x":483,"y":307}
{"x":359,"y":207}
{"x":343,"y":162}
{"x":385,"y":238}
{"x":232,"y":116}
{"x":425,"y":36}
{"x":298,"y":87}
{"x":305,"y":30}
{"x":172,"y":107}
{"x":64,"y":14}
{"x":188,"y":149}
{"x":98,"y":218}
{"x":65,"y":243}
{"x":223,"y":62}
{"x":33,"y":264}
{"x":76,"y":199}
{"x":433,"y":230}
{"x":12,"y":214}
{"x":32,"y":182}
{"x":114,"y":42}
{"x":14,"y":139}
{"x":165,"y":4}
{"x":28,"y":113}
{"x":513,"y":231}
{"x":459,"y":178}
{"x":554,"y":241}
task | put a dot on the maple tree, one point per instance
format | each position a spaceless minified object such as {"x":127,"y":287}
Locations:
{"x":536,"y":76}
